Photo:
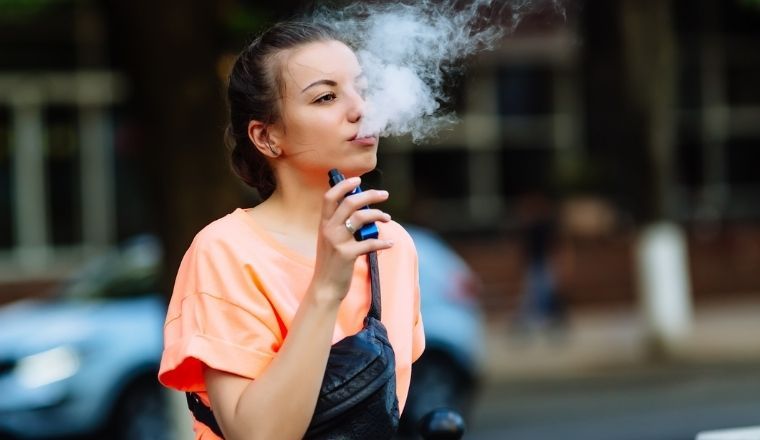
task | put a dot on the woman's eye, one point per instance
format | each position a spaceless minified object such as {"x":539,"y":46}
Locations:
{"x":327,"y":97}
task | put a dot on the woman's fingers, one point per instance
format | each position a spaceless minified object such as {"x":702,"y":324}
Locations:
{"x":355,"y":202}
{"x":351,"y":248}
{"x":358,"y":248}
{"x":335,"y":195}
{"x":343,"y":215}
{"x":366,"y":216}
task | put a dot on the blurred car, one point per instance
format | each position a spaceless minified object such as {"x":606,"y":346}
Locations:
{"x":84,"y":363}
{"x":447,"y":373}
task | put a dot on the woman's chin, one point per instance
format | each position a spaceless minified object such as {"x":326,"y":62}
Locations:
{"x":360,"y":166}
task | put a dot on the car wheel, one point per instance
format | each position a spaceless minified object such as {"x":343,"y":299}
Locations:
{"x":141,"y":414}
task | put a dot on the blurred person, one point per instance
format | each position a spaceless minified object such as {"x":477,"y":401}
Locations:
{"x":263,"y":293}
{"x":541,"y":306}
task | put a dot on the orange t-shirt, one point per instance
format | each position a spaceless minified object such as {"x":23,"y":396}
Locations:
{"x":238,"y":289}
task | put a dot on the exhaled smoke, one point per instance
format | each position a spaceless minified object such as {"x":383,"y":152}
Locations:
{"x":408,"y":50}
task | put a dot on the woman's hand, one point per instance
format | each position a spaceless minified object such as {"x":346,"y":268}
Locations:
{"x":337,"y":249}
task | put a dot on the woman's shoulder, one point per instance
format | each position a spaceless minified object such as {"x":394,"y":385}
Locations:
{"x":396,"y":233}
{"x":225,"y":230}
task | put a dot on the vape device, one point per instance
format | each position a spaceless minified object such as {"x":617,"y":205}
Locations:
{"x":370,"y":229}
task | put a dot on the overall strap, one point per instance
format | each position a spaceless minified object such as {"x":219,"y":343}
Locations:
{"x":374,"y":279}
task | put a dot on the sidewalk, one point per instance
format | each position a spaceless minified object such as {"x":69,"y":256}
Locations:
{"x":600,"y":339}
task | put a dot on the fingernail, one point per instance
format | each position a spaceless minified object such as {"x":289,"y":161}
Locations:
{"x":389,"y":243}
{"x":387,"y":216}
{"x":383,"y":192}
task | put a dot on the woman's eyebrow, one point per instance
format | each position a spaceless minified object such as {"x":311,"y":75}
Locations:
{"x":328,"y":82}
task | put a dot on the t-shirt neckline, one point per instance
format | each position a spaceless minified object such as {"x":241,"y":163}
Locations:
{"x":271,"y":240}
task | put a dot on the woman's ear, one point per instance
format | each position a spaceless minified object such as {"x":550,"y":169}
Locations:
{"x":260,"y":135}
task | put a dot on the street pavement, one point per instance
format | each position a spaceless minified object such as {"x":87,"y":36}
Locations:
{"x":597,"y":379}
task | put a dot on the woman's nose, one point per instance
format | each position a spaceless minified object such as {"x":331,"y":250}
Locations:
{"x":356,"y":109}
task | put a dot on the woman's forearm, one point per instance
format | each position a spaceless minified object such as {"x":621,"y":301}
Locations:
{"x":281,"y":401}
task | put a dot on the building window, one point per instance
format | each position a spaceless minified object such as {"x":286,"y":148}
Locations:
{"x":524,"y":90}
{"x":56,"y":170}
{"x":63,"y":174}
{"x":440,"y":173}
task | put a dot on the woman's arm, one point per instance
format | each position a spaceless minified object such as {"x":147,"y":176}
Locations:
{"x":281,"y":401}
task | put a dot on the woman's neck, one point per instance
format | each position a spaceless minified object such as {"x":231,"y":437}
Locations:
{"x":295,"y":207}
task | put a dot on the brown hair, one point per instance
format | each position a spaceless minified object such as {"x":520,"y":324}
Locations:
{"x":254,"y":92}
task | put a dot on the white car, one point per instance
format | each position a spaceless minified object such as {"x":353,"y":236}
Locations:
{"x":85,"y":361}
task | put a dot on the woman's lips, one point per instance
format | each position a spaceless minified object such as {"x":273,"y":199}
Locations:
{"x":366,"y":140}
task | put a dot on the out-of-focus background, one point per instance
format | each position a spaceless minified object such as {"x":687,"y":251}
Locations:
{"x":589,"y":233}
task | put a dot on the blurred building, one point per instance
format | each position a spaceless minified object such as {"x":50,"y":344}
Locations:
{"x":59,"y":100}
{"x":552,"y":110}
{"x":557,"y":109}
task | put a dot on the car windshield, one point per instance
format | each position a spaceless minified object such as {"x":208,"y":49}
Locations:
{"x":130,"y":270}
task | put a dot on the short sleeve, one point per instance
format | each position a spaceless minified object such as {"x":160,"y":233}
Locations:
{"x":218,"y":317}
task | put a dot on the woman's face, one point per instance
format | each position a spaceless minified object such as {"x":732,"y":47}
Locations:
{"x":321,"y":110}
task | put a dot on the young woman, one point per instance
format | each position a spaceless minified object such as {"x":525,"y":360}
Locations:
{"x":263,"y":293}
